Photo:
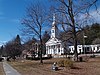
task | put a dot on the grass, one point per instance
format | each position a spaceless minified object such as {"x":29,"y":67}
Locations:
{"x":1,"y":69}
{"x":28,"y":67}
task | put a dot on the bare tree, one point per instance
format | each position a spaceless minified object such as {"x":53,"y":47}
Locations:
{"x":72,"y":12}
{"x":13,"y":48}
{"x":34,"y":22}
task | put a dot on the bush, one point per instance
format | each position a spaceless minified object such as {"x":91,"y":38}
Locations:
{"x":65,"y":63}
{"x":68,"y":64}
{"x":92,"y":56}
{"x":61,"y":63}
{"x":80,"y":59}
{"x":85,"y":59}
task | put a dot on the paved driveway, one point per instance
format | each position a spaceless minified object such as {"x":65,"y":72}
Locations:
{"x":9,"y":70}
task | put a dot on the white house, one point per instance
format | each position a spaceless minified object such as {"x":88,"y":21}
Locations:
{"x":54,"y":45}
{"x":85,"y":48}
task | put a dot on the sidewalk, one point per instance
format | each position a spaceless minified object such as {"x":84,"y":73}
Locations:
{"x":9,"y":70}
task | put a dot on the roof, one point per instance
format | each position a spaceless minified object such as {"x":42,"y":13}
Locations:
{"x":53,"y":41}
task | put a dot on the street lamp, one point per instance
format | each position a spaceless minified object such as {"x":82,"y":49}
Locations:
{"x":84,"y":37}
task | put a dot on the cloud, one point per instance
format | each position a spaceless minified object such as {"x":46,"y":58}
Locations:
{"x":96,"y":15}
{"x":93,"y":17}
{"x":2,"y":43}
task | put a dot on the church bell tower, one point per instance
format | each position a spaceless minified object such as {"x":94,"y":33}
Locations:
{"x":54,"y":27}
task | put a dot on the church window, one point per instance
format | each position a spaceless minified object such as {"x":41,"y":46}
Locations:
{"x":52,"y":31}
{"x":49,"y":47}
{"x":53,"y":46}
{"x":58,"y":50}
{"x":54,"y":51}
{"x":58,"y":45}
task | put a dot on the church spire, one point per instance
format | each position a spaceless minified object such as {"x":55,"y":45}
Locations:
{"x":54,"y":17}
{"x":54,"y":28}
{"x":54,"y":20}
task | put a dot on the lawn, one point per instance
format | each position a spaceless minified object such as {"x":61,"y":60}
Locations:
{"x":1,"y":69}
{"x":28,"y":67}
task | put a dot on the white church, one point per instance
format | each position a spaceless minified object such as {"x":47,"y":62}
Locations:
{"x":54,"y":46}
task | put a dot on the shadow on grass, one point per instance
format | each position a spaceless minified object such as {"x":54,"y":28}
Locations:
{"x":76,"y":68}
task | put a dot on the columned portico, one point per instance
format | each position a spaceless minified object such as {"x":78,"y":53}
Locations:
{"x":54,"y":49}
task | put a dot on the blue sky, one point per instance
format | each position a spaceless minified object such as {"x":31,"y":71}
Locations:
{"x":11,"y":13}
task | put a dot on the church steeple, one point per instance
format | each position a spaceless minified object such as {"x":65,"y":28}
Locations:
{"x":54,"y":20}
{"x":54,"y":27}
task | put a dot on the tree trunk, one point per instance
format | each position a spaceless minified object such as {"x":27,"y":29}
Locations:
{"x":41,"y":47}
{"x":70,"y":11}
{"x":75,"y":44}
